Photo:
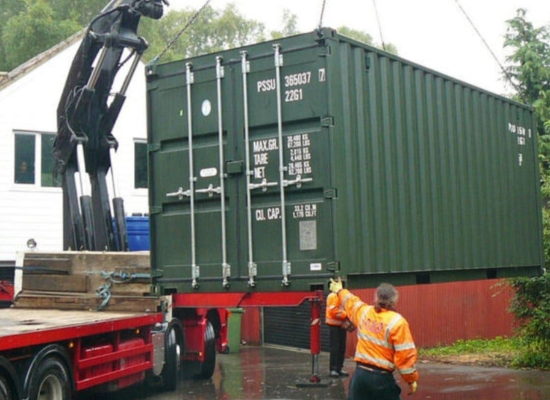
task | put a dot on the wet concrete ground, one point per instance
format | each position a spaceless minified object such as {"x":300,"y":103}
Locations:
{"x":276,"y":373}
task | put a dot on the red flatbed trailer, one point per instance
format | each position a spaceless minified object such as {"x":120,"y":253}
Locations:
{"x":54,"y":342}
{"x":51,"y":354}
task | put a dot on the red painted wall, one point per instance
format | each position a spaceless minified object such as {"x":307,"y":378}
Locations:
{"x":443,"y":313}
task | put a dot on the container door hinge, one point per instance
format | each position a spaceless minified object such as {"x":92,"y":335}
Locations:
{"x":367,"y":62}
{"x":331,"y":193}
{"x":327,"y":122}
{"x":152,"y":147}
{"x":155,"y":210}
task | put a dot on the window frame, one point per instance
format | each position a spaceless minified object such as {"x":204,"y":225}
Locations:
{"x":136,"y":143}
{"x":37,"y":183}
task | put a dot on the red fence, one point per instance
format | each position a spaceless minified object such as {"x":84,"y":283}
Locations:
{"x":443,"y":313}
{"x":438,"y":314}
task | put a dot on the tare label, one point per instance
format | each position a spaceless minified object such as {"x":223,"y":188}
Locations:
{"x":260,"y":155}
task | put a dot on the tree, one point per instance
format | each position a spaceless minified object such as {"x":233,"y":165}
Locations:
{"x":366,"y":38}
{"x":290,"y":23}
{"x":212,"y":31}
{"x":529,"y":64}
{"x":33,"y":31}
{"x":529,"y":69}
{"x":8,"y":9}
{"x":78,"y":11}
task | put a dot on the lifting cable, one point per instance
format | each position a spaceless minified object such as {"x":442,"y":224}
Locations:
{"x":379,"y":25}
{"x":322,"y":14}
{"x":182,"y":30}
{"x":508,"y":77}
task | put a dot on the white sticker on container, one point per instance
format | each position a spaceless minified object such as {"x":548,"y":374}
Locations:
{"x":315,"y":267}
{"x":208,"y":172}
{"x":206,"y":108}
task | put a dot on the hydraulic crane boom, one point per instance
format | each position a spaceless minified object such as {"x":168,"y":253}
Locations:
{"x":84,"y":147}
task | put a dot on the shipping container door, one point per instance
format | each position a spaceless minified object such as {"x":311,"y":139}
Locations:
{"x":189,"y":198}
{"x":288,"y":242}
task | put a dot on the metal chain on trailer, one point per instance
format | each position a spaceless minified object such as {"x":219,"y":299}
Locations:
{"x":178,"y":35}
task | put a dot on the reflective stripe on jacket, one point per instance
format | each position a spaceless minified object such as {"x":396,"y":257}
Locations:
{"x":383,"y":339}
{"x":335,"y":314}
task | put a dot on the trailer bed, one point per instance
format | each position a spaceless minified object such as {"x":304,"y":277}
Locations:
{"x":26,"y":327}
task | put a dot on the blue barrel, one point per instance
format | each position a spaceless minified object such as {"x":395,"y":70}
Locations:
{"x":137,"y":229}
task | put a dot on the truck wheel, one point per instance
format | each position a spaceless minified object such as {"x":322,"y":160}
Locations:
{"x":173,"y":347}
{"x":4,"y":389}
{"x":50,"y":381}
{"x":209,"y":363}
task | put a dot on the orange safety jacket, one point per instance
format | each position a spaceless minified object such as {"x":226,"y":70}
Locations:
{"x":383,"y":339}
{"x":335,"y":314}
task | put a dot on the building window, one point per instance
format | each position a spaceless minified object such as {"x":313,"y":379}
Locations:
{"x":47,"y":163}
{"x":140,"y":165}
{"x":28,"y":158}
{"x":24,"y":159}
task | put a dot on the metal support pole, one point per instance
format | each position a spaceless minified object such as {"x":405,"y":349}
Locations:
{"x":282,"y":169}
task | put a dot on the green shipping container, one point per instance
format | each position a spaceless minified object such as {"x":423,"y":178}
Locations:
{"x":275,"y":166}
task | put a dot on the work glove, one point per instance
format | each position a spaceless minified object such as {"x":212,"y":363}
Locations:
{"x":412,"y":388}
{"x":335,"y":286}
{"x":348,"y":325}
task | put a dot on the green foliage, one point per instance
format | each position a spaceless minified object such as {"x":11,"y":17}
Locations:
{"x":529,"y":63}
{"x":531,"y":306}
{"x":8,"y":9}
{"x":212,"y":31}
{"x":476,"y":346}
{"x":364,"y":37}
{"x":290,"y":22}
{"x":360,"y":36}
{"x":529,"y":68}
{"x":33,"y":31}
{"x":79,"y":11}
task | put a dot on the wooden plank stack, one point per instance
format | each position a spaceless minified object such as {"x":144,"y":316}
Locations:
{"x":71,"y":280}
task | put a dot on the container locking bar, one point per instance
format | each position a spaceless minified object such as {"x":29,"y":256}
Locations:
{"x":210,"y":190}
{"x":298,"y":181}
{"x":226,"y":268}
{"x":252,"y":266}
{"x":195,"y":270}
{"x":263,"y":185}
{"x":180,"y":193}
{"x":282,"y":169}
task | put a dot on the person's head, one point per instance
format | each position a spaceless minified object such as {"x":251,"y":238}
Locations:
{"x":386,"y":296}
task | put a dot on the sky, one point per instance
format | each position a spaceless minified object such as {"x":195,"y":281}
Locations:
{"x":432,"y":33}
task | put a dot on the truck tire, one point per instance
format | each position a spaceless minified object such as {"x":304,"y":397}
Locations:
{"x":207,"y":366}
{"x":4,"y":389}
{"x":50,"y":381}
{"x":173,"y":347}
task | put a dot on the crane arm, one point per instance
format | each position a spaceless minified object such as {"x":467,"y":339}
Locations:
{"x":87,"y":112}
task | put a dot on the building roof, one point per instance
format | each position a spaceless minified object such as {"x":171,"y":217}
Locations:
{"x":6,"y":78}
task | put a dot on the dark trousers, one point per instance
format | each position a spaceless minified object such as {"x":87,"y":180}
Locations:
{"x":337,"y":342}
{"x":373,"y":385}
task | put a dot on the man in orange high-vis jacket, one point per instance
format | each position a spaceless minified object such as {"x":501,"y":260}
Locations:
{"x":338,"y":323}
{"x":384,"y":344}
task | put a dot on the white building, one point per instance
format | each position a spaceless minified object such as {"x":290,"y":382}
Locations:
{"x":29,"y":96}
